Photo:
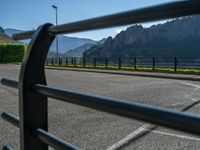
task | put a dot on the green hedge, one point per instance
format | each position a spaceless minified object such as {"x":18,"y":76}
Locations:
{"x":11,"y":53}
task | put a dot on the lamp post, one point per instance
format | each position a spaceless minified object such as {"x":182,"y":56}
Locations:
{"x":57,"y":57}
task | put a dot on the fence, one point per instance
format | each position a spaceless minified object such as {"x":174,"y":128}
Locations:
{"x":129,"y":63}
{"x":33,"y":90}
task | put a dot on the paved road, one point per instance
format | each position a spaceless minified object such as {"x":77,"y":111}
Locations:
{"x":90,"y":129}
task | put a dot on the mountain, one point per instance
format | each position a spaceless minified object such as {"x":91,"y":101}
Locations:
{"x":78,"y":52}
{"x":52,"y":54}
{"x":4,"y":38}
{"x":10,"y":32}
{"x":179,"y":37}
{"x":65,"y":43}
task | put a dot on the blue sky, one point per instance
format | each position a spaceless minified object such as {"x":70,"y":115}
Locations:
{"x":29,"y":14}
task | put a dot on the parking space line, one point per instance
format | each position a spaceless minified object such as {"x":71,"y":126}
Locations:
{"x":175,"y":135}
{"x":191,"y":84}
{"x":141,"y":131}
{"x":147,"y":128}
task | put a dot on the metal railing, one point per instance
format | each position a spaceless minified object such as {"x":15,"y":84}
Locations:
{"x":134,"y":63}
{"x":33,"y":90}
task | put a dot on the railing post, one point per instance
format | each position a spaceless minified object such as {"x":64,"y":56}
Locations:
{"x":33,"y":107}
{"x":106,"y":59}
{"x":66,"y":62}
{"x":175,"y":64}
{"x":59,"y":61}
{"x":74,"y":62}
{"x":120,"y":62}
{"x":94,"y":62}
{"x":55,"y":60}
{"x":52,"y":62}
{"x":135,"y":63}
{"x":84,"y":62}
{"x":153,"y":64}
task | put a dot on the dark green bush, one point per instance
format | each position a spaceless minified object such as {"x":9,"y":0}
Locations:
{"x":11,"y":53}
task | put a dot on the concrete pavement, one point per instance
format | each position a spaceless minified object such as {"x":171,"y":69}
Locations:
{"x":91,"y":129}
{"x":177,"y":76}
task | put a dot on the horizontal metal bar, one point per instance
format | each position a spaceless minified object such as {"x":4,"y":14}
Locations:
{"x":23,"y":35}
{"x":169,"y":118}
{"x":7,"y":147}
{"x":9,"y":82}
{"x":44,"y":136}
{"x":10,"y":118}
{"x":53,"y":141}
{"x":164,"y":11}
{"x":160,"y":116}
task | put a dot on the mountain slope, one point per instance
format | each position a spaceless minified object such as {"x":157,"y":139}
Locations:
{"x":65,"y":43}
{"x":68,"y":43}
{"x":10,"y":32}
{"x":5,"y":38}
{"x":179,"y":37}
{"x":78,"y":52}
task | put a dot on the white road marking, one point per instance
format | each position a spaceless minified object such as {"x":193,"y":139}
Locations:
{"x":197,"y":87}
{"x":192,"y":99}
{"x":149,"y":128}
{"x":143,"y":130}
{"x":191,"y":84}
{"x":130,"y":138}
{"x":175,"y":135}
{"x":195,"y":99}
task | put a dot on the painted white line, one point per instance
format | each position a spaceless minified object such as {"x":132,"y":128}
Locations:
{"x":175,"y":135}
{"x":195,"y":99}
{"x":142,"y":131}
{"x":197,"y":87}
{"x":191,"y":84}
{"x":150,"y":128}
{"x":132,"y":136}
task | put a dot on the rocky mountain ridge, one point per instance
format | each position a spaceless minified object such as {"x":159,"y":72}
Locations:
{"x":178,"y":37}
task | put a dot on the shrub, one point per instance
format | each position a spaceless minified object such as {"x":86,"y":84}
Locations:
{"x":11,"y":53}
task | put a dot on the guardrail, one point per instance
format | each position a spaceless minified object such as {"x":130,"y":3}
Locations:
{"x":33,"y":89}
{"x":135,"y":63}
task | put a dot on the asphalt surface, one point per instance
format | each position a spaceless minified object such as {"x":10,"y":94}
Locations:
{"x":91,"y":129}
{"x":152,"y":74}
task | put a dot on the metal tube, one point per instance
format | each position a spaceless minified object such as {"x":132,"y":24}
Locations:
{"x":7,"y":147}
{"x":44,"y":136}
{"x":10,"y":118}
{"x":164,"y":11}
{"x":160,"y":116}
{"x":23,"y":35}
{"x":169,"y":118}
{"x":9,"y":82}
{"x":52,"y":140}
{"x":56,"y":8}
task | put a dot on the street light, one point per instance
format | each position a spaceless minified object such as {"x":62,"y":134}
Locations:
{"x":57,"y":57}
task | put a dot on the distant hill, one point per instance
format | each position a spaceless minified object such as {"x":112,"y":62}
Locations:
{"x":5,"y":38}
{"x":52,"y":54}
{"x":179,"y":37}
{"x":10,"y":32}
{"x":68,"y":43}
{"x":78,"y":52}
{"x":65,"y":43}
